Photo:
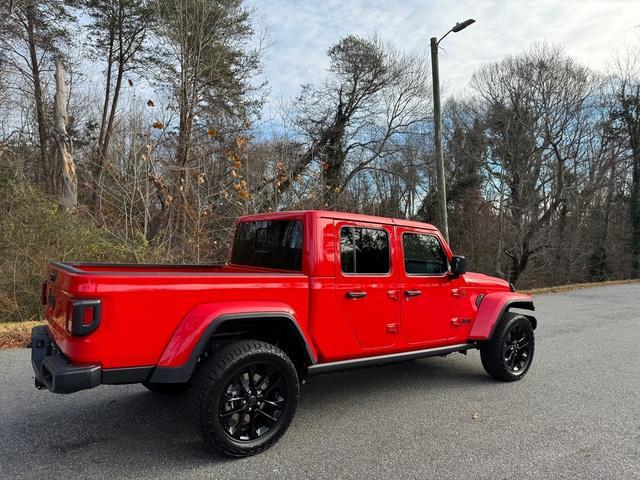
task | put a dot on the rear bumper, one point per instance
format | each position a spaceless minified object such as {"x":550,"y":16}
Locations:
{"x":56,"y":373}
{"x":52,"y":369}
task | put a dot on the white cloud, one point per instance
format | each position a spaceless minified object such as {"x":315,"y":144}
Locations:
{"x":302,"y":31}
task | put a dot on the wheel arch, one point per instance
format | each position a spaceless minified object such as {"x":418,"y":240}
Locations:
{"x":275,"y":326}
{"x":278,"y":328}
{"x":493,"y":307}
{"x":522,"y":306}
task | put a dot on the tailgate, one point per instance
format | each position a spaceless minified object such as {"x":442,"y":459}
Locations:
{"x":67,"y":315}
{"x":57,"y":300}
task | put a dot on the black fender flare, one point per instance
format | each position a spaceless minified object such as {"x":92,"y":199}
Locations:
{"x":184,"y":372}
{"x":521,"y":305}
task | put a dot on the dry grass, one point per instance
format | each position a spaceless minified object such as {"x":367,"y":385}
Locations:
{"x":575,"y":286}
{"x":16,"y":334}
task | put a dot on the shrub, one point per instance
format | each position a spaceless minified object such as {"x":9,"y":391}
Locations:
{"x":33,"y":231}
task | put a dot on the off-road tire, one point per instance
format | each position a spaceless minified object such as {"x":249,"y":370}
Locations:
{"x":167,"y":388}
{"x":494,"y":352}
{"x":213,"y":378}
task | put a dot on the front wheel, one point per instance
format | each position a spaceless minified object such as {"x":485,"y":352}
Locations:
{"x":245,"y":396}
{"x":507,"y":356}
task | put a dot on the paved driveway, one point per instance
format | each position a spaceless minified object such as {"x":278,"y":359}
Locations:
{"x":576,"y":415}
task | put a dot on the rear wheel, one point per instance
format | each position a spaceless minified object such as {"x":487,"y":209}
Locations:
{"x":507,"y":356}
{"x":245,"y":397}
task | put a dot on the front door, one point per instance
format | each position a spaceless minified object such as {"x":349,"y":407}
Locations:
{"x":366,"y":283}
{"x":425,"y":285}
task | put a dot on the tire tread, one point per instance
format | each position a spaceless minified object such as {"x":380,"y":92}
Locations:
{"x":206,"y":380}
{"x":491,"y":351}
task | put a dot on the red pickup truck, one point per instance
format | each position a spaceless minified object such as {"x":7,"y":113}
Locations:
{"x":304,"y":293}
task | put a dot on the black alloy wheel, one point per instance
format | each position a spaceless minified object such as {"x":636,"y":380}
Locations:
{"x":517,"y":348}
{"x":245,"y":396}
{"x":508,"y":354}
{"x":253,"y":401}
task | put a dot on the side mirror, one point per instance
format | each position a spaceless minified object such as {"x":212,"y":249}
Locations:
{"x":458,"y":265}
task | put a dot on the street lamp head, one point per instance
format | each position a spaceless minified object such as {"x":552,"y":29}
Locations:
{"x":462,"y":26}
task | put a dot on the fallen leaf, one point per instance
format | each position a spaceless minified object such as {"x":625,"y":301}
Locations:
{"x":241,"y":141}
{"x":150,"y":103}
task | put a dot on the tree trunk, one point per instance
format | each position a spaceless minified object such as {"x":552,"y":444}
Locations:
{"x":498,"y":257}
{"x":519,"y":263}
{"x":634,"y":211}
{"x":96,"y":194}
{"x":46,"y":171}
{"x":332,"y":175}
{"x":68,"y":199}
{"x":114,"y":105}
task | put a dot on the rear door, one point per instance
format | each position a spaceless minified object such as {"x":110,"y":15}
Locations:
{"x":425,"y":286}
{"x":366,"y":283}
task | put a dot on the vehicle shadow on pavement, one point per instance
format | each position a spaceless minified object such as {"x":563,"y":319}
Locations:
{"x":145,"y":430}
{"x":413,"y":377}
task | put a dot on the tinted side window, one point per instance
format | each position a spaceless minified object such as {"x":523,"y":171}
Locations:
{"x":364,"y":250}
{"x":269,"y":244}
{"x":423,"y":254}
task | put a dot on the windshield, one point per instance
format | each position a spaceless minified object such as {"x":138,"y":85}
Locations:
{"x":269,"y":243}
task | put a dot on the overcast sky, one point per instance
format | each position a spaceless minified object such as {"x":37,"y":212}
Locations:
{"x":301,"y":32}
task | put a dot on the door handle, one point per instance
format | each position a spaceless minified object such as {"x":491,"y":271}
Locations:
{"x":412,"y":293}
{"x":357,"y":294}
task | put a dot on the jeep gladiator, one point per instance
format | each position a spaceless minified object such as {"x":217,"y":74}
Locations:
{"x":304,"y":293}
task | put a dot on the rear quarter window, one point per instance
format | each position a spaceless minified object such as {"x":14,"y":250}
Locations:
{"x":269,"y":244}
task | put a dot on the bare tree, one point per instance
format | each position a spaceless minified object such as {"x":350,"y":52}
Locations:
{"x":535,"y":113}
{"x":62,"y":144}
{"x":373,"y":96}
{"x":625,"y":116}
{"x":30,"y":37}
{"x":209,"y":64}
{"x":542,"y":155}
{"x":117,"y":32}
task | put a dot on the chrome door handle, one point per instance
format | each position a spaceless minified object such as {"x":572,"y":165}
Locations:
{"x":412,"y":293}
{"x":357,"y":294}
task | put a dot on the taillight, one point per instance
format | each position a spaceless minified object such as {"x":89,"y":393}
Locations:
{"x":84,"y":318}
{"x":88,"y":314}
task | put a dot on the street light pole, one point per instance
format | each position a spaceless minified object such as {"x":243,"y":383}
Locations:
{"x":437,"y":118}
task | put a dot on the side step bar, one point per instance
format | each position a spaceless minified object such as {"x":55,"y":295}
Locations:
{"x":390,"y":358}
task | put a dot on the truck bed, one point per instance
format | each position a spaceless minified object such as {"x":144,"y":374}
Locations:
{"x":142,"y":305}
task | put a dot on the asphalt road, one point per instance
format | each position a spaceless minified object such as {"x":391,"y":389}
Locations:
{"x":575,"y":415}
